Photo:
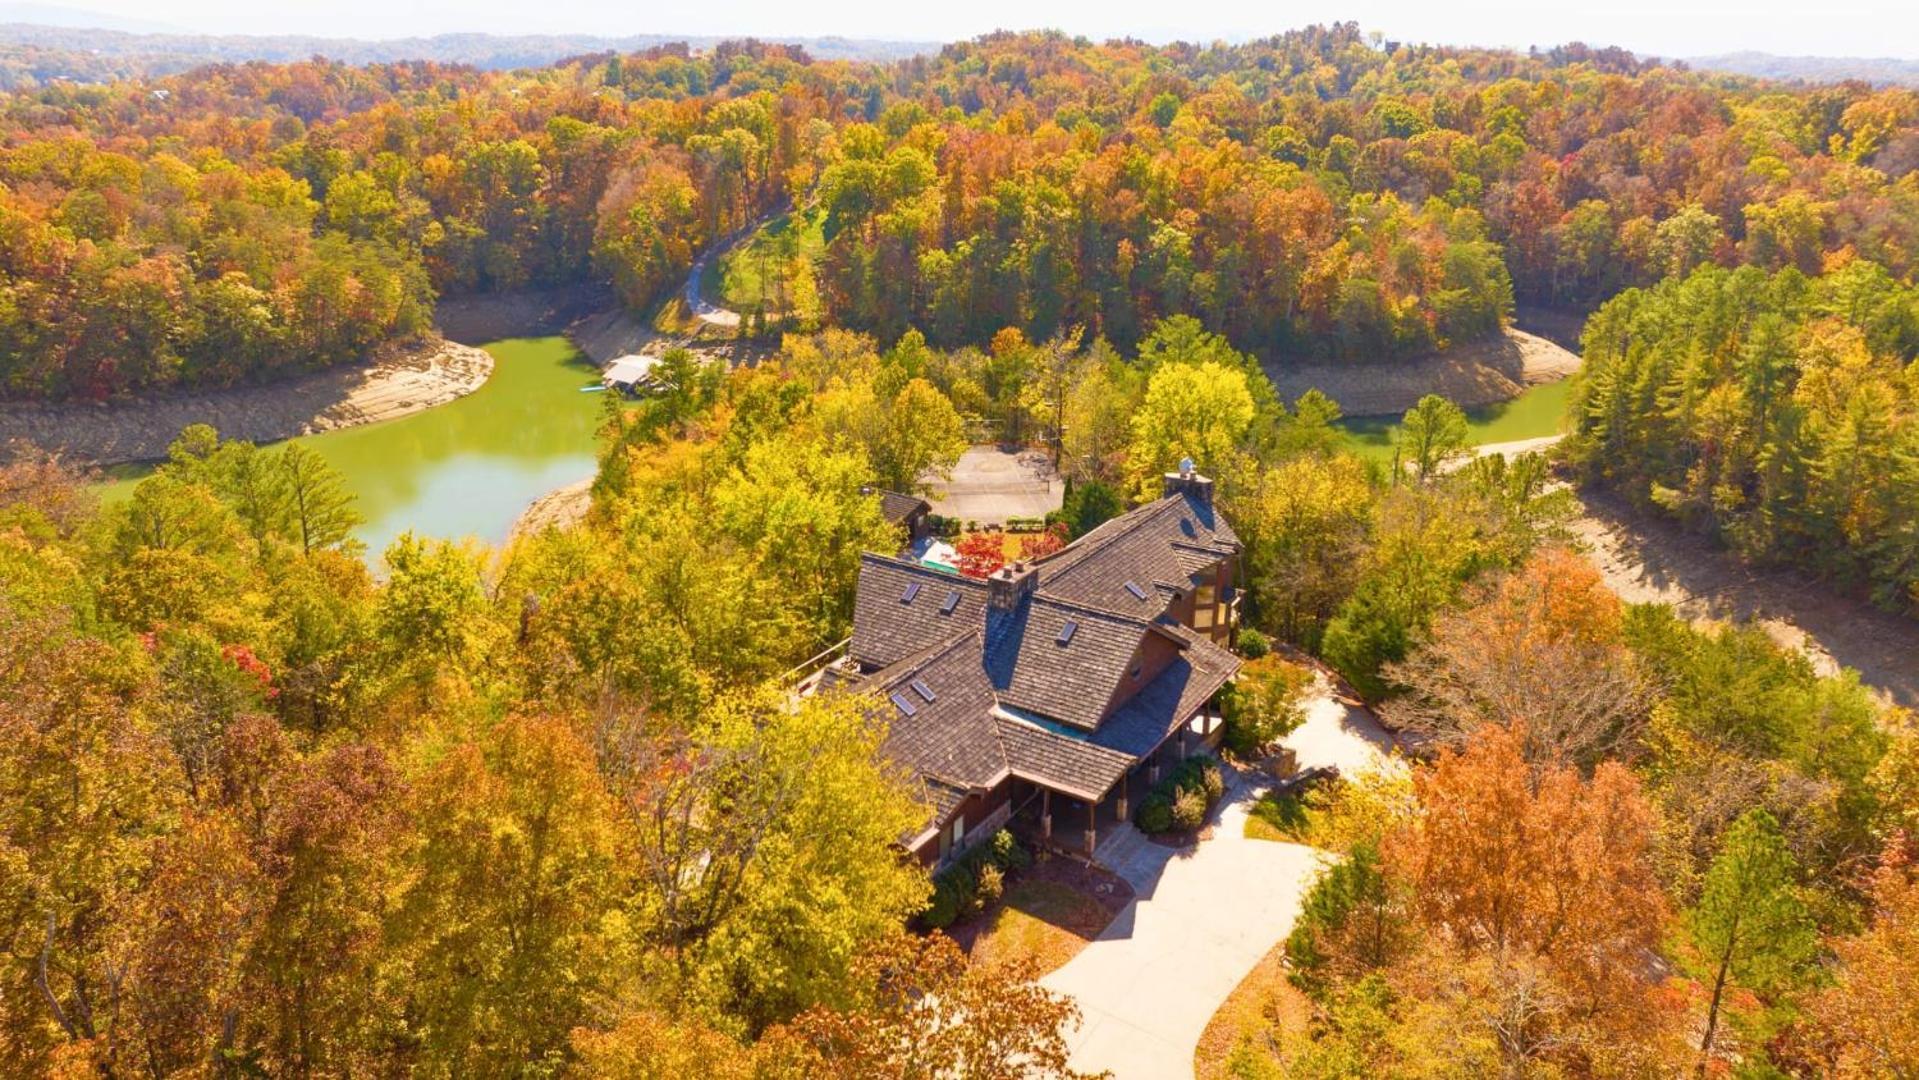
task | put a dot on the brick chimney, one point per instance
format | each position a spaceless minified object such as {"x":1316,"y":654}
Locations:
{"x":1011,"y":584}
{"x":1188,"y":481}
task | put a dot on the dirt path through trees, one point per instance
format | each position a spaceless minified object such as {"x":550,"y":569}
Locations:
{"x":694,"y":291}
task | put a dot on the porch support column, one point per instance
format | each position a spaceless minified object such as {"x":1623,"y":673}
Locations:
{"x":1125,"y":784}
{"x":1046,"y":813}
{"x":1092,"y":828}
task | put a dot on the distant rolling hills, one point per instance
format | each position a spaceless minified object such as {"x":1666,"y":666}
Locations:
{"x":1886,"y":71}
{"x":50,"y":43}
{"x":40,"y":43}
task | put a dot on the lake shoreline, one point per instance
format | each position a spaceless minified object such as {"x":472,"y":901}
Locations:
{"x":1646,"y":558}
{"x":399,"y":382}
{"x":1475,"y":374}
{"x":561,"y":508}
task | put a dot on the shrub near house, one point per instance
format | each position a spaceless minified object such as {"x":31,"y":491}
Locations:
{"x":1180,"y":802}
{"x":975,"y":882}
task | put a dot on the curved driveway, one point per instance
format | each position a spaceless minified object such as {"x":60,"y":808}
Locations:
{"x":1201,"y":918}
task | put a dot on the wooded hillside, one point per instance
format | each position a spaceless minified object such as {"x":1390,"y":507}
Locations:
{"x":1312,"y":194}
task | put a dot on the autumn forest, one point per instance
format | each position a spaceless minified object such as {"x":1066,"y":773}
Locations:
{"x":272,"y":804}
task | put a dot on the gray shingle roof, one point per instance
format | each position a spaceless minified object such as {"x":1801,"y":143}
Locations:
{"x":896,"y":508}
{"x":1075,"y":766}
{"x":1071,"y":682}
{"x":1009,"y":694}
{"x":1178,"y":692}
{"x":951,"y":737}
{"x":941,"y":800}
{"x":887,"y":628}
{"x":1163,"y":542}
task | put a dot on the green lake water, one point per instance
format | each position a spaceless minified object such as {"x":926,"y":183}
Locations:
{"x":1532,"y":415}
{"x":469,"y":467}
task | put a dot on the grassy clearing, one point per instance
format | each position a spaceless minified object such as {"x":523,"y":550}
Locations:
{"x":753,"y":273}
{"x":1257,"y":1028}
{"x":1532,"y":415}
{"x":1046,"y":920}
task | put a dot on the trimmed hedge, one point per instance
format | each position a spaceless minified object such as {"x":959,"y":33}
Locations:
{"x":1180,"y":801}
{"x":975,"y":882}
{"x":1155,"y":814}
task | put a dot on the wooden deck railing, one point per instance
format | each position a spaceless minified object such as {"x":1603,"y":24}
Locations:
{"x":816,"y":663}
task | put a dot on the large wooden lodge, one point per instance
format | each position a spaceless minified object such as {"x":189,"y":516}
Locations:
{"x":1055,"y":691}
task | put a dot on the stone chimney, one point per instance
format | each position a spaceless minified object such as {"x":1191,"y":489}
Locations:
{"x":1188,"y":481}
{"x":1011,"y":584}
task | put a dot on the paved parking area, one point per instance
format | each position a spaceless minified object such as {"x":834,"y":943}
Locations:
{"x":990,"y":485}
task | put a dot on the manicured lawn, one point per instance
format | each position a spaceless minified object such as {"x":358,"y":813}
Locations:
{"x":1049,"y":913}
{"x":753,"y":272}
{"x":1317,"y":815}
{"x":1259,"y":1026}
{"x":1283,"y":816}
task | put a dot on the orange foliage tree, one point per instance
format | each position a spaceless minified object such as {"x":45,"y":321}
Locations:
{"x":1543,"y":651}
{"x":1039,"y":545}
{"x":1549,"y":878}
{"x":1869,"y":1018}
{"x":928,"y":1011}
{"x":981,"y":553}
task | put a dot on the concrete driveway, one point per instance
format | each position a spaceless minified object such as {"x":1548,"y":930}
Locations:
{"x":990,"y":485}
{"x":1202,"y":916}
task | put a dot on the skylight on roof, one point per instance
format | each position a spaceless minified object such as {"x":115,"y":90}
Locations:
{"x":1138,"y":593}
{"x":1066,"y":631}
{"x":919,"y":687}
{"x":952,"y":601}
{"x":912,"y":590}
{"x":904,"y":704}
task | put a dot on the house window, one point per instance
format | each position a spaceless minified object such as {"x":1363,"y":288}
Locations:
{"x":959,"y":831}
{"x":1203,"y":604}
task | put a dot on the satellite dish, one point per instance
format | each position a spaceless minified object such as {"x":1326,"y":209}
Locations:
{"x":1186,"y":466}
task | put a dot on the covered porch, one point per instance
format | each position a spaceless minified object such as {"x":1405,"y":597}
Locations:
{"x":1074,"y":822}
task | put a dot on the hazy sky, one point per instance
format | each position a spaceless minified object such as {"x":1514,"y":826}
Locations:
{"x":1661,"y":27}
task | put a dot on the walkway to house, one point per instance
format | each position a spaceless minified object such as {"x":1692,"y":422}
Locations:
{"x":1202,"y":916}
